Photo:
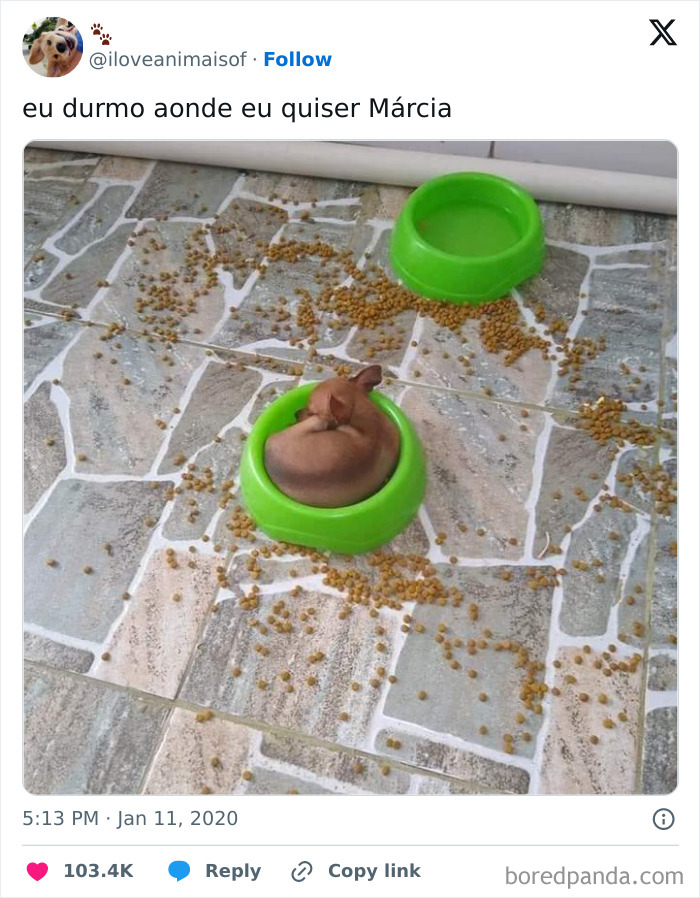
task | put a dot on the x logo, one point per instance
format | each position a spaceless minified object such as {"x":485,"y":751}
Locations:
{"x":663,"y":32}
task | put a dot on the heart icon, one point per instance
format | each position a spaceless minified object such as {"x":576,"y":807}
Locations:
{"x":37,"y":871}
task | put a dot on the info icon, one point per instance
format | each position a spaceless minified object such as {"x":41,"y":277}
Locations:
{"x":663,"y":818}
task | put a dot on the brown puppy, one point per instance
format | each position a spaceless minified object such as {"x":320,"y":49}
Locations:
{"x":341,"y":450}
{"x":62,"y":49}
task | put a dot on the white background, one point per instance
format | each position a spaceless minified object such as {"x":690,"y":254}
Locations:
{"x":511,"y":71}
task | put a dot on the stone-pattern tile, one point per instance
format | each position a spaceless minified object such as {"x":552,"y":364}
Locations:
{"x":185,"y":190}
{"x":196,"y":505}
{"x":573,"y":764}
{"x":573,"y":463}
{"x":242,"y":233}
{"x":221,"y":756}
{"x":376,"y":775}
{"x":631,"y":460}
{"x":43,"y":342}
{"x":371,"y":347}
{"x":131,"y":380}
{"x":273,"y":782}
{"x":526,"y":380}
{"x":268,"y":393}
{"x":625,"y":310}
{"x":476,"y":442}
{"x":156,"y":635}
{"x":588,"y":225}
{"x":287,"y":188}
{"x":483,"y":689}
{"x":183,"y":762}
{"x":122,"y":168}
{"x":38,"y":268}
{"x":84,"y":738}
{"x":155,"y":293}
{"x":73,"y":584}
{"x":56,"y":654}
{"x":78,"y":283}
{"x":325,"y":213}
{"x":96,"y":221}
{"x":663,"y":673}
{"x":594,"y":579}
{"x":660,"y":752}
{"x":40,"y":162}
{"x":48,"y":206}
{"x":44,"y":451}
{"x":254,"y":319}
{"x":656,"y":257}
{"x":431,"y":785}
{"x":190,"y":327}
{"x":664,"y":605}
{"x":476,"y":773}
{"x":383,"y":201}
{"x":229,"y":644}
{"x":557,"y":287}
{"x":220,"y":394}
{"x":635,"y":598}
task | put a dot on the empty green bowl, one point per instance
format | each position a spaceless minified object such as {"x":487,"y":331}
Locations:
{"x":352,"y":529}
{"x":467,"y":238}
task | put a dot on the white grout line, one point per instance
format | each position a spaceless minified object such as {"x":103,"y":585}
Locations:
{"x":409,"y":728}
{"x":301,"y":205}
{"x":62,"y":402}
{"x":274,"y":765}
{"x":532,"y":501}
{"x":379,"y":721}
{"x":73,"y":642}
{"x":55,"y":178}
{"x":411,"y":351}
{"x":658,"y":699}
{"x":671,"y":651}
{"x":593,"y":251}
{"x":41,"y":166}
{"x":170,"y":428}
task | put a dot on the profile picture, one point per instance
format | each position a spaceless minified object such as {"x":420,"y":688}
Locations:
{"x":53,"y":47}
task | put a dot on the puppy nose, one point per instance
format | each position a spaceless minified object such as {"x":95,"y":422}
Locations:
{"x":61,"y":48}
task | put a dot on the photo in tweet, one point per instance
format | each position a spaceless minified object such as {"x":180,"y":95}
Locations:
{"x":343,"y":485}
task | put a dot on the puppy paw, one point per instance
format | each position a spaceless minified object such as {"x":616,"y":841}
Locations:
{"x":97,"y":29}
{"x":106,"y":39}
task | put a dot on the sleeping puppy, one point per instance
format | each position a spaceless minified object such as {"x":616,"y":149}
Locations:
{"x":62,"y":49}
{"x":342,"y":449}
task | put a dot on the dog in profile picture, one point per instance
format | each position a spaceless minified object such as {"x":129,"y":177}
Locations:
{"x":60,"y":49}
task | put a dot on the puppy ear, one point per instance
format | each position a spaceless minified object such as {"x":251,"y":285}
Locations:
{"x":61,"y":23}
{"x":340,"y":411}
{"x":369,"y":377}
{"x":37,"y":53}
{"x":332,"y":408}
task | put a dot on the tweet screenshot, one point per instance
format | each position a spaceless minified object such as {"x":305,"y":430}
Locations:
{"x":340,"y":518}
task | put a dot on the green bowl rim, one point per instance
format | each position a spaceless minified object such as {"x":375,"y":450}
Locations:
{"x":429,"y":291}
{"x":409,"y":445}
{"x":533,"y":224}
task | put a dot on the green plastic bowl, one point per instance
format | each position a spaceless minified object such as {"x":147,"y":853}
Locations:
{"x":353,"y":529}
{"x":467,"y":238}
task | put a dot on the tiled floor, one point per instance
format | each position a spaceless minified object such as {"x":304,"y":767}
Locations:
{"x":146,"y":668}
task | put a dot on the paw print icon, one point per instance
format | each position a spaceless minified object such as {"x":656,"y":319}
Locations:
{"x":97,"y":29}
{"x":106,"y":38}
